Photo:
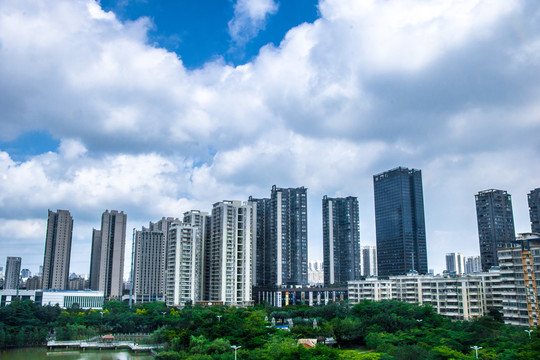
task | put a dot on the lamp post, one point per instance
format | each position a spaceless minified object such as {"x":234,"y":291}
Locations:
{"x":529,"y":332}
{"x":219,"y":317}
{"x":476,"y":348}
{"x":235,"y":348}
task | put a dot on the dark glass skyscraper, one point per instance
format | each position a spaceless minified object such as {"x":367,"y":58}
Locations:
{"x":534,"y":209}
{"x":495,"y":224}
{"x":399,"y":220}
{"x":281,"y":255}
{"x":341,"y":240}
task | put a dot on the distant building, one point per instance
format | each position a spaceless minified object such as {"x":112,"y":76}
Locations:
{"x":33,"y":283}
{"x":473,"y":265}
{"x":534,"y":209}
{"x":57,"y":250}
{"x":455,"y":263}
{"x":13,"y":270}
{"x":76,"y":283}
{"x":315,"y":273}
{"x":400,"y":224}
{"x":25,"y":273}
{"x":110,"y":243}
{"x":341,"y":240}
{"x":149,"y":265}
{"x":495,"y":224}
{"x":369,"y":261}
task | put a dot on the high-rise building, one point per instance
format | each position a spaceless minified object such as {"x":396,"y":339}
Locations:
{"x":57,"y":250}
{"x":13,"y":270}
{"x":455,"y":263}
{"x":164,"y":225}
{"x":399,"y":220}
{"x":33,"y":283}
{"x":534,"y":209}
{"x":112,"y":244}
{"x":280,"y":247}
{"x":369,"y":261}
{"x":26,"y":273}
{"x":495,"y":224}
{"x":149,"y":265}
{"x":518,"y":263}
{"x":230,"y":252}
{"x":316,"y":272}
{"x":473,"y":265}
{"x":202,"y":220}
{"x":289,"y":238}
{"x":185,"y":268}
{"x":264,"y":254}
{"x":95,"y":259}
{"x":341,"y":240}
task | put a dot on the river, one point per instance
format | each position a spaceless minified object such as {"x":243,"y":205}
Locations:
{"x":42,"y":353}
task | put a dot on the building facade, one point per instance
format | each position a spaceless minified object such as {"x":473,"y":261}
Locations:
{"x":456,"y":297}
{"x":519,"y":285}
{"x":288,"y":229}
{"x":341,"y":240}
{"x":185,"y":267}
{"x":280,"y":248}
{"x":369,"y":261}
{"x":230,"y":255}
{"x":57,"y":250}
{"x":13,"y":270}
{"x":455,"y":263}
{"x":473,"y":265}
{"x":533,"y":199}
{"x":495,"y":224}
{"x":264,"y":253}
{"x":111,"y":245}
{"x":202,"y":220}
{"x":400,"y":224}
{"x":315,"y":272}
{"x":149,"y":265}
{"x":95,"y":259}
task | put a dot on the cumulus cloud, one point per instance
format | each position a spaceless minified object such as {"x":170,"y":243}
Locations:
{"x":450,"y":87}
{"x":250,"y":18}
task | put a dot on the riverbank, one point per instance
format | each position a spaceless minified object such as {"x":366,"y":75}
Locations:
{"x":101,"y":345}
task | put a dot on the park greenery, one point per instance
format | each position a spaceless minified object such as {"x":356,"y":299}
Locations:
{"x":368,"y":330}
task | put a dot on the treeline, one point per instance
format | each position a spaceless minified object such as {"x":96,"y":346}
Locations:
{"x":368,"y":330}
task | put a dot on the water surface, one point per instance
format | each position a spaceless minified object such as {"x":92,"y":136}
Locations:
{"x":43,"y":353}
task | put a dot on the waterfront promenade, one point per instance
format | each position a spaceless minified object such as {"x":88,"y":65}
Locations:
{"x":99,"y":345}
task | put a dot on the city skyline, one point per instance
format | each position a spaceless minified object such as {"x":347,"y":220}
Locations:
{"x":165,"y":222}
{"x":127,"y":105}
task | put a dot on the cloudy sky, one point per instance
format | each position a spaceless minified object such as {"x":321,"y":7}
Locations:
{"x":156,"y":108}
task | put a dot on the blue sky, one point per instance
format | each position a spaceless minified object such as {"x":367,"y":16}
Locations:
{"x":157,"y":108}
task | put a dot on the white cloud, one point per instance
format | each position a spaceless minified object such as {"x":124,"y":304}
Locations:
{"x":450,"y":87}
{"x":249,"y":18}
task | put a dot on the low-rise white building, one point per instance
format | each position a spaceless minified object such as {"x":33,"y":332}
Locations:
{"x":457,"y":297}
{"x":86,"y":299}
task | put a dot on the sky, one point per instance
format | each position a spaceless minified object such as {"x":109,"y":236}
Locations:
{"x":155,"y":108}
